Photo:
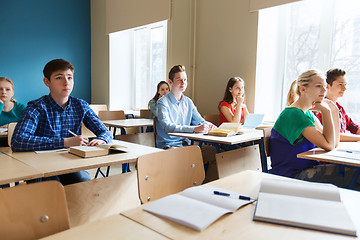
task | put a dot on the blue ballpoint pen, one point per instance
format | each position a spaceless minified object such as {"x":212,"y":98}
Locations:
{"x":228,"y":195}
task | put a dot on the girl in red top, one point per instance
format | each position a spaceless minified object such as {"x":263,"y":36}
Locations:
{"x":233,"y":108}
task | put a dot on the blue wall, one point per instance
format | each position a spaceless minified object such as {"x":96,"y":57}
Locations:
{"x":37,"y":31}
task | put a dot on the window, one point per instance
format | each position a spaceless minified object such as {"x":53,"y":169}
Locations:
{"x":312,"y":34}
{"x":137,"y":64}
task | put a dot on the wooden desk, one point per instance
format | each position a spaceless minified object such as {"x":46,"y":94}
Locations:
{"x":12,"y":170}
{"x":318,"y":154}
{"x":247,"y":136}
{"x":241,"y":138}
{"x":114,"y":227}
{"x":56,"y":163}
{"x":239,"y":225}
{"x":3,"y":134}
{"x":131,"y":122}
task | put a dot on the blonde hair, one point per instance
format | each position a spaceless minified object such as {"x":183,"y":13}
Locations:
{"x":303,"y":80}
{"x":9,"y":81}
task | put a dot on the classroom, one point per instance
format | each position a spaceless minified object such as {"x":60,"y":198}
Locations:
{"x":215,"y":41}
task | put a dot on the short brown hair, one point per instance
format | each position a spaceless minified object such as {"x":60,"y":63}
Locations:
{"x":175,"y":69}
{"x":333,"y":74}
{"x":55,"y":65}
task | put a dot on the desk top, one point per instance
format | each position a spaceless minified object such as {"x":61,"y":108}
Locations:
{"x":239,"y":225}
{"x":56,"y":163}
{"x":247,"y":136}
{"x":114,"y":227}
{"x":12,"y":170}
{"x":319,"y":155}
{"x":131,"y":122}
{"x":3,"y":134}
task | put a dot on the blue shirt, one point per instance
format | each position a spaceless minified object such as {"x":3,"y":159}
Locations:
{"x":175,"y":116}
{"x":45,"y":124}
{"x":12,"y":116}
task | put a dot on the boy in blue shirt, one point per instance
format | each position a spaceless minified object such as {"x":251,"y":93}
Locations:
{"x":48,"y":122}
{"x":177,"y":113}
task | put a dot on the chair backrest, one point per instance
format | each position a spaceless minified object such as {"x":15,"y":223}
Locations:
{"x":98,"y":107}
{"x":145,"y":113}
{"x":238,"y":160}
{"x":146,"y":138}
{"x":267,"y":133}
{"x":168,"y":172}
{"x":112,"y":115}
{"x":33,"y":211}
{"x":11,"y":128}
{"x":213,"y":118}
{"x":99,"y":198}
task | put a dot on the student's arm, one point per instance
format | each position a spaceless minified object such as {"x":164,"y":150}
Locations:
{"x":93,"y":123}
{"x":197,"y":120}
{"x":348,"y":137}
{"x":23,"y":138}
{"x":326,"y":139}
{"x":246,"y":112}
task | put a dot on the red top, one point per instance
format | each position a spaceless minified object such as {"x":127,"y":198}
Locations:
{"x":345,"y":121}
{"x":228,"y":105}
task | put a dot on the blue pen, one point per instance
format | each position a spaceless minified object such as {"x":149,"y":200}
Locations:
{"x":228,"y":195}
{"x":349,"y":151}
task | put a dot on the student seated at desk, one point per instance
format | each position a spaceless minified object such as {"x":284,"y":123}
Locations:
{"x":163,"y":88}
{"x":336,"y":87}
{"x":10,"y":110}
{"x":298,"y":130}
{"x":48,"y":122}
{"x":177,"y":113}
{"x":233,"y":108}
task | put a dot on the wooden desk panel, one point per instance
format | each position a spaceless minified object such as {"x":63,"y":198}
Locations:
{"x":131,"y":122}
{"x":12,"y":170}
{"x":57,"y":163}
{"x":114,"y":227}
{"x":241,"y":138}
{"x":239,"y":225}
{"x":318,"y":154}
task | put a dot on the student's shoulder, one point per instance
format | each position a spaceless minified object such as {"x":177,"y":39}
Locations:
{"x":19,"y":104}
{"x":224,"y":104}
{"x":40,"y":102}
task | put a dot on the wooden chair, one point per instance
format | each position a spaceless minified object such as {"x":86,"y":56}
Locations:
{"x":213,"y":118}
{"x":98,"y":107}
{"x":238,"y":160}
{"x":33,"y":211}
{"x":111,"y":115}
{"x":100,"y":198}
{"x":266,"y":147}
{"x":145,"y":113}
{"x":11,"y":129}
{"x":168,"y":172}
{"x":146,"y":138}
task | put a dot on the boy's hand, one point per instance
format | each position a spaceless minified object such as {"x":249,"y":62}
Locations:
{"x":95,"y":142}
{"x":76,"y":141}
{"x":204,"y":128}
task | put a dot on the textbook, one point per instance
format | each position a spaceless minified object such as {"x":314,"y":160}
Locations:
{"x":226,"y":129}
{"x":301,"y":204}
{"x":198,"y":207}
{"x":98,"y":150}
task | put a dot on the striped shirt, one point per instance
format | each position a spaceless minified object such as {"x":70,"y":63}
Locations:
{"x":45,"y":124}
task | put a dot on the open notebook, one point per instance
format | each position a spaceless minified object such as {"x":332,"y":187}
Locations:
{"x":253,"y":120}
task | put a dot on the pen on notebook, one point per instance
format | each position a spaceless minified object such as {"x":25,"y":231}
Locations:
{"x":72,"y":133}
{"x":228,"y":195}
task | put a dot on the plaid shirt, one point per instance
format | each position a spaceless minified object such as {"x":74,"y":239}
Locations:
{"x":45,"y":124}
{"x":345,"y":121}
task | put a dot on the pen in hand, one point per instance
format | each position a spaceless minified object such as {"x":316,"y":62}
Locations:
{"x":72,"y":133}
{"x":228,"y":195}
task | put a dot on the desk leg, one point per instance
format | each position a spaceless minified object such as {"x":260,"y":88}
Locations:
{"x":99,"y":171}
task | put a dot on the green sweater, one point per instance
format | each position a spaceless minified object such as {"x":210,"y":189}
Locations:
{"x":12,"y":116}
